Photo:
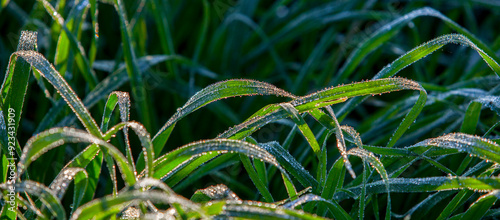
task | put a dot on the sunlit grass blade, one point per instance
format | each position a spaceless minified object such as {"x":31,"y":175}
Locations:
{"x":123,"y":100}
{"x":111,"y":83}
{"x":61,"y":182}
{"x":391,"y":29}
{"x":474,"y":145}
{"x":57,"y":136}
{"x":14,"y":87}
{"x":421,"y":52}
{"x":341,"y":142}
{"x":427,"y":184}
{"x":217,"y":192}
{"x":109,"y":205}
{"x":251,"y":210}
{"x":337,"y":211}
{"x":331,"y":96}
{"x":170,"y":162}
{"x":479,"y":208}
{"x":212,"y":93}
{"x":429,"y":47}
{"x":48,"y":198}
{"x":47,"y":70}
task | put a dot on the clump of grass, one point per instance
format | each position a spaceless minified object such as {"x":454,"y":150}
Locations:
{"x":423,"y":148}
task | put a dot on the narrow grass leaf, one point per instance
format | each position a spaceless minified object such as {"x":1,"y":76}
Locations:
{"x":479,"y":208}
{"x":290,"y":164}
{"x":212,"y":93}
{"x":48,"y":198}
{"x":473,"y":145}
{"x":379,"y":167}
{"x":217,"y":192}
{"x":110,"y":205}
{"x":60,"y":184}
{"x":426,"y":184}
{"x":259,"y":184}
{"x":58,"y":136}
{"x":81,"y":59}
{"x":136,"y":81}
{"x":303,"y":127}
{"x":73,"y":22}
{"x":47,"y":70}
{"x":253,"y":210}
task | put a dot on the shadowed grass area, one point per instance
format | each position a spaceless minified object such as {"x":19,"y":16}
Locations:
{"x":249,"y":109}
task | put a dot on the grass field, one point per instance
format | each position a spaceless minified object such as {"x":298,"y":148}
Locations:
{"x":250,"y":109}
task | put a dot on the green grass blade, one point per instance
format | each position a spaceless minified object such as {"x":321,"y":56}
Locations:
{"x":453,"y":204}
{"x":337,"y":211}
{"x":48,"y":198}
{"x":61,"y":182}
{"x":249,"y":210}
{"x":471,"y":118}
{"x":57,"y":136}
{"x":303,"y":127}
{"x":429,"y":47}
{"x":290,"y":164}
{"x":334,"y":180}
{"x":47,"y":70}
{"x":100,"y":208}
{"x":136,"y":81}
{"x":16,"y":79}
{"x":81,"y":59}
{"x":375,"y":162}
{"x":427,"y":184}
{"x":317,"y":100}
{"x":95,"y":29}
{"x":74,"y":22}
{"x":166,"y":43}
{"x":212,"y":93}
{"x":341,"y":142}
{"x":390,"y":30}
{"x":264,"y":191}
{"x":479,"y":208}
{"x":473,"y":145}
{"x":147,"y":146}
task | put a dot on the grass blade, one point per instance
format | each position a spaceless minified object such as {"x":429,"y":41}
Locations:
{"x":57,"y":136}
{"x":47,"y":70}
{"x":212,"y":93}
{"x":479,"y":208}
{"x":110,"y":205}
{"x":61,"y":182}
{"x":427,"y":184}
{"x":333,"y":206}
{"x":63,"y":57}
{"x":473,"y":145}
{"x":48,"y":198}
{"x":136,"y":81}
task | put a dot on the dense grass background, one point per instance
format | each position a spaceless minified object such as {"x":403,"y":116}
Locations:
{"x":173,"y":49}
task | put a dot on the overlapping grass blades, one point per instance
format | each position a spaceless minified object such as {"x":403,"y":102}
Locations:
{"x":47,"y":70}
{"x":468,"y":164}
{"x":212,"y":93}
